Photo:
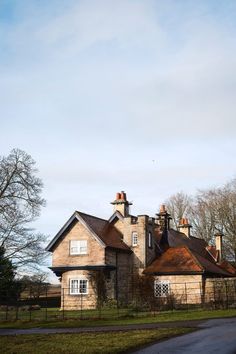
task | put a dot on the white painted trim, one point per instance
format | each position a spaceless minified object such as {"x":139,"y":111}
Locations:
{"x":78,"y":253}
{"x":80,"y":278}
{"x":134,"y":233}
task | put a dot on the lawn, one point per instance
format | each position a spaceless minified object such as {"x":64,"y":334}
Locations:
{"x":87,"y":343}
{"x":111,"y":320}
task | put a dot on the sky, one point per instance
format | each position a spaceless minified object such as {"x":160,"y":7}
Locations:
{"x":119,"y":95}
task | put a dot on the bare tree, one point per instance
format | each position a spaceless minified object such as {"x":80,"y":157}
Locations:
{"x":226,"y":213}
{"x":178,"y":206}
{"x":35,"y":285}
{"x":209,"y":211}
{"x":203,"y":215}
{"x":20,"y":205}
{"x":215,"y":210}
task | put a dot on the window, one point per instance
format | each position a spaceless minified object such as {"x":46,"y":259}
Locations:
{"x":78,"y":247}
{"x":78,"y":286}
{"x":134,"y":238}
{"x":161,"y":288}
{"x":149,"y":239}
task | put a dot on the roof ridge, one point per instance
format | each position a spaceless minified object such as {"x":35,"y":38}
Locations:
{"x":93,"y":216}
{"x":198,"y":238}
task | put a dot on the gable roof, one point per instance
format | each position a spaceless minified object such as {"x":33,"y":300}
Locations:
{"x":184,"y":255}
{"x":105,"y":233}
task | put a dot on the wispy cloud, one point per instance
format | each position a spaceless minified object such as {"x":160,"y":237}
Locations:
{"x":95,"y":90}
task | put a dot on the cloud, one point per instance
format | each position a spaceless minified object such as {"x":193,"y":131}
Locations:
{"x":95,"y":90}
{"x":99,"y":63}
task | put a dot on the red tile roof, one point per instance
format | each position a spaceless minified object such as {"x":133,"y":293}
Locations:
{"x":183,"y":254}
{"x":209,"y":266}
{"x":178,"y":260}
{"x":228,"y":267}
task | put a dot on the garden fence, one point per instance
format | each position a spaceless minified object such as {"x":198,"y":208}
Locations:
{"x":49,"y":305}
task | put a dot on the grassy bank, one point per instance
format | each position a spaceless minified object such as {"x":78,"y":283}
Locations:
{"x":159,"y":317}
{"x":85,"y":343}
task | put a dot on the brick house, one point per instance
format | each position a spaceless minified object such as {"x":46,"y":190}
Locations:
{"x":126,"y":245}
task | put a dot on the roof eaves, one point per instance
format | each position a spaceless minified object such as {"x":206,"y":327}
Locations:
{"x":174,"y":272}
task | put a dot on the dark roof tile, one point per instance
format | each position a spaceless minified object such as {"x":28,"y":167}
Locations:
{"x":107,"y":232}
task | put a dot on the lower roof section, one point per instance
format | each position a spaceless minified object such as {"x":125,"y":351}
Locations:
{"x":62,"y":269}
{"x":173,"y":273}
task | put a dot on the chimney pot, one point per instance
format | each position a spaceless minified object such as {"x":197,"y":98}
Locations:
{"x":118,"y":196}
{"x":162,"y":208}
{"x":184,"y":226}
{"x":123,"y":195}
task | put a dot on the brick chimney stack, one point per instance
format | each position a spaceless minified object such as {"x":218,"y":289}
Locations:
{"x":218,"y":243}
{"x":184,"y":226}
{"x":121,"y":203}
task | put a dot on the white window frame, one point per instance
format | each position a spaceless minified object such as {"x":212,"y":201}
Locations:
{"x":76,"y":290}
{"x":161,"y":288}
{"x":134,"y":239}
{"x":80,"y":248}
{"x":149,"y":239}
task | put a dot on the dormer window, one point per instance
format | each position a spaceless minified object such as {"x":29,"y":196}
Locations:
{"x":78,"y":247}
{"x":134,"y":239}
{"x":149,"y":239}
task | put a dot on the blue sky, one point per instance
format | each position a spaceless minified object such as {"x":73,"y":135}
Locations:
{"x":97,"y":90}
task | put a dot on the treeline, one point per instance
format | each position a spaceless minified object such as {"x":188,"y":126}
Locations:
{"x":209,"y":211}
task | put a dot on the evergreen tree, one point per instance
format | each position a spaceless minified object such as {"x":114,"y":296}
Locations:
{"x":8,"y":285}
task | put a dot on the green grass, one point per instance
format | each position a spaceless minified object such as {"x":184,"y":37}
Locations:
{"x":123,"y":320}
{"x":87,"y":343}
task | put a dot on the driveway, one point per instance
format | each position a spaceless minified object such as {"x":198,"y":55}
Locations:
{"x":215,"y":336}
{"x":132,"y":327}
